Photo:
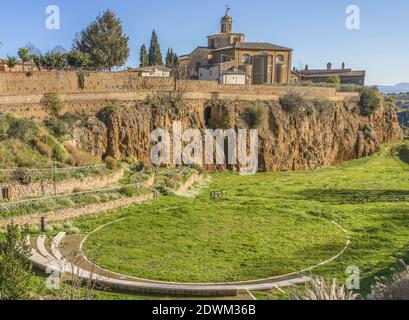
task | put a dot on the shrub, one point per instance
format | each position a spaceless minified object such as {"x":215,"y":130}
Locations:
{"x":110,"y":162}
{"x":59,"y":152}
{"x":396,"y":288}
{"x":349,"y":88}
{"x":16,"y":277}
{"x":322,"y":104}
{"x":78,"y":157}
{"x":291,"y":102}
{"x":11,"y":61}
{"x":5,"y":122}
{"x":319,"y":289}
{"x":58,"y":127}
{"x":369,"y":101}
{"x":107,"y":112}
{"x":73,"y":230}
{"x":23,"y":176}
{"x":335,"y":80}
{"x":22,"y":129}
{"x":128,"y":191}
{"x":52,"y":104}
{"x":256,"y":116}
{"x":44,"y":149}
{"x":71,"y":118}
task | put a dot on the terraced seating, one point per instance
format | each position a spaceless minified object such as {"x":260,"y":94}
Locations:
{"x":47,"y":262}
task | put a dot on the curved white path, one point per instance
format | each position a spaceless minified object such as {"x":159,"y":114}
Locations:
{"x":47,"y":261}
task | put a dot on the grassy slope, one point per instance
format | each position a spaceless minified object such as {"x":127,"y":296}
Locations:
{"x":268,"y":212}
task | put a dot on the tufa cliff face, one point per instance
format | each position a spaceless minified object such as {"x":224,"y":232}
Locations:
{"x":316,"y":134}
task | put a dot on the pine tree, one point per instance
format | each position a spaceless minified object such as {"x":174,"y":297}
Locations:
{"x":155,"y":54}
{"x":143,"y":57}
{"x":104,"y":41}
{"x":171,"y":59}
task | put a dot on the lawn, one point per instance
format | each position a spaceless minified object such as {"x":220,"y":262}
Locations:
{"x":269,"y":224}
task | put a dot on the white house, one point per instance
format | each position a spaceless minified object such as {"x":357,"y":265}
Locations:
{"x":154,"y":71}
{"x":209,"y":72}
{"x":231,"y":75}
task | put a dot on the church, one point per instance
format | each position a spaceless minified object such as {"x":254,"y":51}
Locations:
{"x":230,"y":59}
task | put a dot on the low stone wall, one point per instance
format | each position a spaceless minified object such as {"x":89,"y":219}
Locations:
{"x":189,"y":183}
{"x":18,"y":191}
{"x":70,"y":213}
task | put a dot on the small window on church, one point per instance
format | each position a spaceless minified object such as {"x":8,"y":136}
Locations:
{"x":207,"y":115}
{"x":246,"y":59}
{"x":280,"y":58}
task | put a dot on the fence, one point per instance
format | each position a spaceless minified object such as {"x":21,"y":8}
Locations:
{"x":366,"y":199}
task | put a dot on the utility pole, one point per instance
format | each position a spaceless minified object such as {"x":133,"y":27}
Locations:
{"x":55,"y":177}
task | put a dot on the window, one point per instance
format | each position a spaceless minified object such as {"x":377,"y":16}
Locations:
{"x":207,"y":115}
{"x":280,"y":58}
{"x":246,"y":59}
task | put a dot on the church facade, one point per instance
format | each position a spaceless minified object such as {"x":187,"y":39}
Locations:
{"x":228,"y":57}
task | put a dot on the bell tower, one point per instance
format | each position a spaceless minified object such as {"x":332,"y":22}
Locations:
{"x":227,"y":22}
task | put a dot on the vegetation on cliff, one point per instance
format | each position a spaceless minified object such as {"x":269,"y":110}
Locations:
{"x":36,"y":144}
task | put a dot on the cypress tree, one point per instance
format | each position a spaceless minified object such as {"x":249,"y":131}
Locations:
{"x":172,"y":60}
{"x":143,"y":57}
{"x":155,"y":54}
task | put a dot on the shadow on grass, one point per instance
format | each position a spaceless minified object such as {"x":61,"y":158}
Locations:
{"x":335,"y":195}
{"x":403,"y":153}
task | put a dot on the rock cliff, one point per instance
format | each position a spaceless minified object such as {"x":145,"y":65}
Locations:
{"x":318,"y":133}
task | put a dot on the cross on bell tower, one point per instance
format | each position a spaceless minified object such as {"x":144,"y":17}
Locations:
{"x":227,"y":22}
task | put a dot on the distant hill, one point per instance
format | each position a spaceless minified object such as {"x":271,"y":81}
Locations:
{"x":399,"y":88}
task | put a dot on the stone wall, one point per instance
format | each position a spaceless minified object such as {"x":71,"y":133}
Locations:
{"x":18,"y":191}
{"x":21,"y":94}
{"x":19,"y":84}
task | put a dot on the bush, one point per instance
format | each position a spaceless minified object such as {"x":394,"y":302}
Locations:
{"x":396,"y":288}
{"x":78,"y":157}
{"x":16,"y":276}
{"x":71,"y":118}
{"x":52,"y":104}
{"x":349,"y":88}
{"x":22,"y":129}
{"x":59,"y":152}
{"x":256,"y":116}
{"x":44,"y":149}
{"x":369,"y":101}
{"x":58,"y":127}
{"x":110,"y":162}
{"x":291,"y":102}
{"x":128,"y":191}
{"x":335,"y":80}
{"x":319,"y":289}
{"x":322,"y":104}
{"x":23,"y":176}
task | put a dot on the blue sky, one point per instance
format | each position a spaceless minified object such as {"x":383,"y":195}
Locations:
{"x":315,"y":29}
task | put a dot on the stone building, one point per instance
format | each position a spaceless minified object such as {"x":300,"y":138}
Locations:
{"x":262,"y":62}
{"x":153,"y":71}
{"x":28,"y":66}
{"x":346,"y":75}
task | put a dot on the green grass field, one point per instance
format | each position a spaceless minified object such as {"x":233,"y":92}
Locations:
{"x":268,"y":225}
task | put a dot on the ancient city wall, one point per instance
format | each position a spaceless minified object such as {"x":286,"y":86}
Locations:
{"x":21,"y":94}
{"x":12,"y":84}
